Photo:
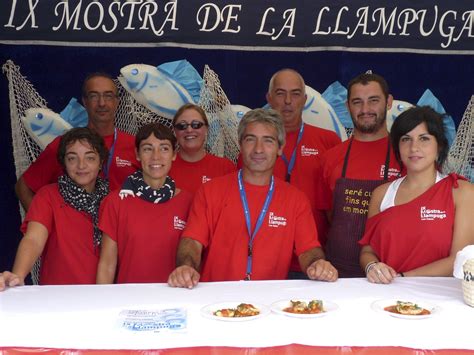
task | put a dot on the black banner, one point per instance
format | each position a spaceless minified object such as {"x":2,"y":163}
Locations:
{"x":420,"y":26}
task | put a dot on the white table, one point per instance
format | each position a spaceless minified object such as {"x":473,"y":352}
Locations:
{"x":86,"y":317}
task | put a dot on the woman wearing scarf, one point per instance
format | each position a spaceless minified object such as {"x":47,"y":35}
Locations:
{"x":61,"y":225}
{"x":193,"y":165}
{"x":141,"y":224}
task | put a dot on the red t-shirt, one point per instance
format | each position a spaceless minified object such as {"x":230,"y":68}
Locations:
{"x":190,"y":176}
{"x":425,"y":235}
{"x":217,"y":221}
{"x":147,"y":234}
{"x":366,"y":162}
{"x":69,"y":256}
{"x":46,"y":168}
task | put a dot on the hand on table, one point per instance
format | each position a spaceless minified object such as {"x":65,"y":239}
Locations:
{"x":184,"y":276}
{"x":381,"y":273}
{"x":9,"y":279}
{"x":322,"y":270}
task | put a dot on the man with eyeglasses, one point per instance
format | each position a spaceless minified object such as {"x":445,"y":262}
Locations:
{"x":99,"y":96}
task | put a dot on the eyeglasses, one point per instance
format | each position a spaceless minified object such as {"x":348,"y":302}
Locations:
{"x":181,"y":126}
{"x":95,"y":96}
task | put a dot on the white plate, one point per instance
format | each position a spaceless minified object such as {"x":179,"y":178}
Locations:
{"x":379,"y":306}
{"x":278,"y":307}
{"x":208,"y":311}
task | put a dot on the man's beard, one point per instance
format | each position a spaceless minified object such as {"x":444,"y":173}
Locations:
{"x":372,"y":127}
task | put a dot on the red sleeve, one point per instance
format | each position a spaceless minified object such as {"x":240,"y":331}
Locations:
{"x":108,"y":215}
{"x":45,"y":169}
{"x":306,"y":236}
{"x":40,"y":211}
{"x":197,"y":226}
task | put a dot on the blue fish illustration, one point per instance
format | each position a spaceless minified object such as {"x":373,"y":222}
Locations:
{"x":318,"y":112}
{"x":154,"y":89}
{"x":239,"y":111}
{"x":43,"y":125}
{"x":398,"y":106}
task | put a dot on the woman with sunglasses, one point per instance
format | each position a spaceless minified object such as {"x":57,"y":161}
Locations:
{"x":419,"y":222}
{"x":61,"y":225}
{"x":193,"y":165}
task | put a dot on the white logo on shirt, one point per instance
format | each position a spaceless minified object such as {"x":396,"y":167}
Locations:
{"x":392,"y":172}
{"x":205,"y":179}
{"x":178,"y":224}
{"x":431,"y":215}
{"x":122,"y":162}
{"x":306,"y":152}
{"x":276,"y":221}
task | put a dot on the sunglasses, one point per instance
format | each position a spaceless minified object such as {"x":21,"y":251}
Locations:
{"x":181,"y":126}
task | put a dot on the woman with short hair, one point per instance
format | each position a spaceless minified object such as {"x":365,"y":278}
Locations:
{"x":142,"y":222}
{"x":61,"y":225}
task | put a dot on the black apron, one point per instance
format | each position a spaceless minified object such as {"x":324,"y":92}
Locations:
{"x":350,"y":206}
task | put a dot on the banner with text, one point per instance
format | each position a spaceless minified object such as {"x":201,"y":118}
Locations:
{"x":300,"y":25}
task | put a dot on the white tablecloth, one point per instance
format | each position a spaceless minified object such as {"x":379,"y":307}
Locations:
{"x":86,"y":317}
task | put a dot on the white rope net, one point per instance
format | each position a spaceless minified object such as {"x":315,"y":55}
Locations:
{"x":461,"y":154}
{"x":222,"y":138}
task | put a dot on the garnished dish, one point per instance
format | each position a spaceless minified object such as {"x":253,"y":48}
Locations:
{"x":242,"y":310}
{"x":304,"y":308}
{"x":234,"y":311}
{"x":405,"y":309}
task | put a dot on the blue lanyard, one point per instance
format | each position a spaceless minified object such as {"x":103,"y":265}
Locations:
{"x":263,"y":212}
{"x":291,"y":164}
{"x":111,"y":153}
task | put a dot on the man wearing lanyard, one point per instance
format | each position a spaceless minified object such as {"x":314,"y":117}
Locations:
{"x":99,"y":96}
{"x":245,"y":225}
{"x":299,"y":162}
{"x":354,"y":168}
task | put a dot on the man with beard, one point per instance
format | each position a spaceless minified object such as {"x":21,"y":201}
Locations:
{"x":351,"y":170}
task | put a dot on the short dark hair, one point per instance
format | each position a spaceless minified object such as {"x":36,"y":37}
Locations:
{"x":81,"y":134}
{"x":364,"y":79}
{"x":98,"y":74}
{"x":411,"y":118}
{"x":190,"y":106}
{"x":158,"y":130}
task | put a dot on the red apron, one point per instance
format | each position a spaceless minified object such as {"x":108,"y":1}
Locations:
{"x":350,"y":207}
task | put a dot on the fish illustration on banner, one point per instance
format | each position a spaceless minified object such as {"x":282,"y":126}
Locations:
{"x":75,"y":114}
{"x":398,"y":106}
{"x":155,"y":89}
{"x":318,"y":112}
{"x":239,"y":111}
{"x":43,"y":125}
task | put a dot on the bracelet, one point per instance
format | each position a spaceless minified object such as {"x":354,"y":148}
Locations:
{"x":402,"y":274}
{"x":369,"y":266}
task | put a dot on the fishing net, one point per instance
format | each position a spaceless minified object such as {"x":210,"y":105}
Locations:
{"x":222,"y":138}
{"x":461,"y":154}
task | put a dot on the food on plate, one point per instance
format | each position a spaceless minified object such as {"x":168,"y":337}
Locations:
{"x":301,"y":307}
{"x":407,"y":308}
{"x":242,"y":310}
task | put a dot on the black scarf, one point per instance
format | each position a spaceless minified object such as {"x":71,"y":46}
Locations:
{"x":134,"y":185}
{"x":81,"y":200}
